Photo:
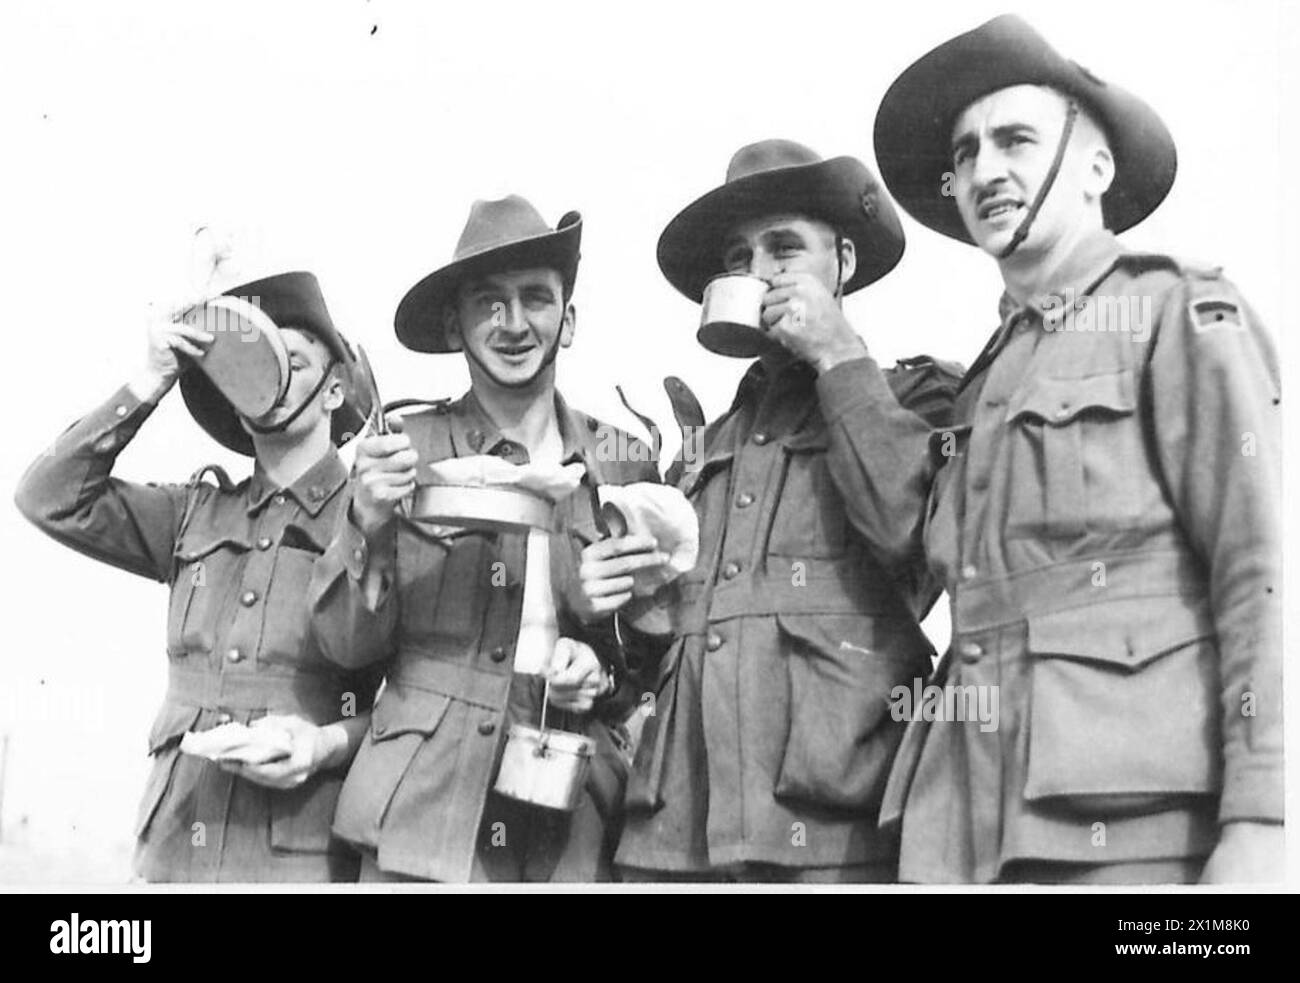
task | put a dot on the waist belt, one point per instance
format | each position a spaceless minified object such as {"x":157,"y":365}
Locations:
{"x":989,"y":603}
{"x":421,"y":670}
{"x":312,"y":695}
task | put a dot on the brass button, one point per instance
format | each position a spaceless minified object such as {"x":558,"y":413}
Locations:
{"x":744,"y":500}
{"x":970,"y":650}
{"x":224,"y":718}
{"x":358,"y":554}
{"x":487,"y":728}
{"x":234,"y":655}
{"x":278,"y":500}
{"x":499,"y":654}
{"x":248,"y":598}
{"x":714,"y":642}
{"x":120,"y":410}
{"x":761,"y":438}
{"x":730,"y":570}
{"x":264,"y":543}
{"x":969,"y":572}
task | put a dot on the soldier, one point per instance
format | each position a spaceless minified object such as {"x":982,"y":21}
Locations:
{"x":769,"y":744}
{"x":1106,"y":520}
{"x":446,"y":604}
{"x":237,"y":559}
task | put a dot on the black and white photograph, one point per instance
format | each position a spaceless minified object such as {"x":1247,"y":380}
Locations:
{"x":676,"y":448}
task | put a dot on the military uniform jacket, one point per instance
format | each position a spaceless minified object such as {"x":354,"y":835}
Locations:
{"x":238,"y":560}
{"x":1106,"y":522}
{"x":444,"y":625}
{"x":771,"y":735}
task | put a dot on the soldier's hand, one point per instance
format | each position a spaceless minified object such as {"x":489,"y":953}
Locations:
{"x":314,"y":748}
{"x":800,"y":313}
{"x":385,"y":474}
{"x":1248,"y":853}
{"x":605,"y":569}
{"x":577,"y":677}
{"x":171,"y":341}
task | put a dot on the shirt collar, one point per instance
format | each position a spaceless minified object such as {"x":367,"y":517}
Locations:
{"x":314,"y":487}
{"x":1080,"y":273}
{"x":473,"y":431}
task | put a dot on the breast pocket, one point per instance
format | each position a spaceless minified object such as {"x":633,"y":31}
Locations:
{"x":201,"y":588}
{"x":1077,"y":457}
{"x":809,"y":519}
{"x":284,"y":618}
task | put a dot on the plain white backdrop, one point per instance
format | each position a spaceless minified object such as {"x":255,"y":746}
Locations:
{"x":357,"y":152}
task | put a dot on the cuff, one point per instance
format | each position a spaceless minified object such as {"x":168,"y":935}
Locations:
{"x":1253,"y":790}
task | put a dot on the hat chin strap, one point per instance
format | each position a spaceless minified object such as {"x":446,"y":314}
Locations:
{"x":1071,"y":112}
{"x":283,"y":424}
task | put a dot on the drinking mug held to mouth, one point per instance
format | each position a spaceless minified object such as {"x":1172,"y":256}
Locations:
{"x":731,"y":316}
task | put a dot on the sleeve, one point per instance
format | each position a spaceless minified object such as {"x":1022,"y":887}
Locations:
{"x":1215,"y":401}
{"x":352,"y":596}
{"x":879,"y":456}
{"x":69,"y":493}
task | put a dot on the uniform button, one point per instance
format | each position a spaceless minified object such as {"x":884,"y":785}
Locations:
{"x":714,"y":642}
{"x":761,"y":438}
{"x":224,"y":718}
{"x":475,"y":439}
{"x":487,"y":728}
{"x":499,"y":654}
{"x":234,"y":655}
{"x":264,"y":543}
{"x":248,"y":598}
{"x":120,"y":410}
{"x":278,"y":500}
{"x":969,"y":571}
{"x":505,"y":449}
{"x":1063,"y":411}
{"x":730,"y":570}
{"x":744,"y":500}
{"x":358,"y":554}
{"x":970,"y":650}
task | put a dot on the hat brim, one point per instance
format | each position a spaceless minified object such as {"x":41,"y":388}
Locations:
{"x":419,"y":320}
{"x":840,"y":191}
{"x":913,"y":130}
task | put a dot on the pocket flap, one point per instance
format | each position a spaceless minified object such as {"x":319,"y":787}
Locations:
{"x":407,"y":710}
{"x":868,"y":651}
{"x":298,"y":538}
{"x":1059,"y":401}
{"x":812,"y":439}
{"x":193,"y":547}
{"x":171,"y":723}
{"x":1128,"y":633}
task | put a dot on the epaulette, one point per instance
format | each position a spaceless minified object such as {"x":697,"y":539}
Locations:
{"x":1147,"y":262}
{"x":927,"y":386}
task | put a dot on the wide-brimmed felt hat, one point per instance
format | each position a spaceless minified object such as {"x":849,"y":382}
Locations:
{"x":290,"y":300}
{"x":773,"y":177}
{"x":505,"y":234}
{"x":913,"y":133}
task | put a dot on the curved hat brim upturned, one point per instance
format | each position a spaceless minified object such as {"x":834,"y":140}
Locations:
{"x":419,"y":320}
{"x":291,"y":300}
{"x":840,"y":191}
{"x":913,"y":131}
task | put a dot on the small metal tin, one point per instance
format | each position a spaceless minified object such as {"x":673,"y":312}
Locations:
{"x":731,"y":316}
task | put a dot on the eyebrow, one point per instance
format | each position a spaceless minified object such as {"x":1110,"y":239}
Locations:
{"x":1005,"y":130}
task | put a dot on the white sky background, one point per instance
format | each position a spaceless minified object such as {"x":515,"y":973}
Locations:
{"x":357,"y":156}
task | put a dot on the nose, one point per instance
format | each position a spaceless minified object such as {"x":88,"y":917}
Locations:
{"x":763,"y":264}
{"x":988,"y":168}
{"x":514,"y":320}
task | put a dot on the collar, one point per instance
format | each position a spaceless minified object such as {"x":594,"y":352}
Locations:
{"x":312,"y":490}
{"x":473,"y":431}
{"x":756,"y":382}
{"x":1080,"y":273}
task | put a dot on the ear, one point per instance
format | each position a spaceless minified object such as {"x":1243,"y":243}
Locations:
{"x":569,"y":325}
{"x":334,"y":394}
{"x":1100,"y":172}
{"x":451,"y":329}
{"x":848,"y":259}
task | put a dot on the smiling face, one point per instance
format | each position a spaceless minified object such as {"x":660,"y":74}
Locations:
{"x":308,"y":359}
{"x":764,"y":247}
{"x":1003,"y":146}
{"x":510,"y":326}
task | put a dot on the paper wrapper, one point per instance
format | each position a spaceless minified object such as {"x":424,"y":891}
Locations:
{"x":237,"y":742}
{"x":488,"y":471}
{"x":663,"y":512}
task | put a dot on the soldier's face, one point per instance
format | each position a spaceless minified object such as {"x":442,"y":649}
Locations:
{"x":308,"y":359}
{"x":775,"y":244}
{"x":1003,"y":146}
{"x":511,"y":324}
